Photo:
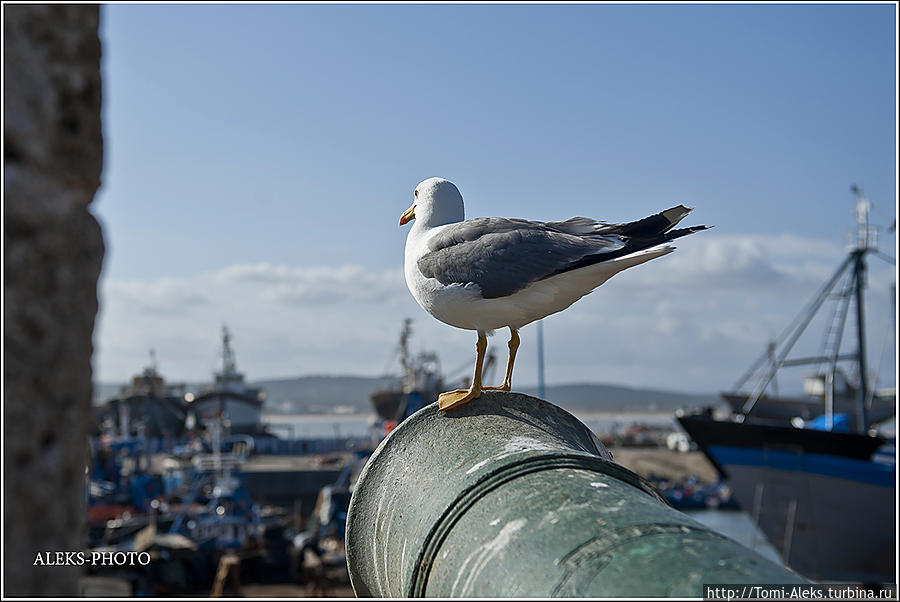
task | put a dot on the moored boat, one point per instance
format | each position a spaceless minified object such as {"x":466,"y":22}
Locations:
{"x":229,"y":397}
{"x":148,"y":406}
{"x":420,"y":382}
{"x":817,"y":474}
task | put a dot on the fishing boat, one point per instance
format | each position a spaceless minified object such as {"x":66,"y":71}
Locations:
{"x":816,"y":473}
{"x":419,"y":383}
{"x":148,"y":405}
{"x":229,"y":397}
{"x":420,"y":380}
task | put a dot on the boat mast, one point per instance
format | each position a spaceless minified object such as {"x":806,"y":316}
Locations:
{"x":854,"y":286}
{"x":228,"y":363}
{"x":540,"y":358}
{"x":405,"y":359}
{"x":859,"y":272}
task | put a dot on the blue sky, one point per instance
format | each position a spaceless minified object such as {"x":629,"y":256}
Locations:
{"x":257,"y":159}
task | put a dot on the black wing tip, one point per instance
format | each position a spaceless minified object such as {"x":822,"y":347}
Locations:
{"x":673,"y":234}
{"x":672,"y":216}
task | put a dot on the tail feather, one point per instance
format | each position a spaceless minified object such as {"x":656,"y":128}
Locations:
{"x":654,"y":225}
{"x":673,"y":234}
{"x":644,"y":239}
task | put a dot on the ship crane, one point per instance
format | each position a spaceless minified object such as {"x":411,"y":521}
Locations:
{"x":846,"y":285}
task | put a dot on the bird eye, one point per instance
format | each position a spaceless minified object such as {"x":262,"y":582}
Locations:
{"x":416,"y":193}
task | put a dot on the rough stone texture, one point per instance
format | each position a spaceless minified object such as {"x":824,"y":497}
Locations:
{"x":53,"y":253}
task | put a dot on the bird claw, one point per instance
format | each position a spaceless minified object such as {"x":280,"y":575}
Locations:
{"x":451,"y":399}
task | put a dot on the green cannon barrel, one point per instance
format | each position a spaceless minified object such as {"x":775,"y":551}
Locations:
{"x":511,"y":496}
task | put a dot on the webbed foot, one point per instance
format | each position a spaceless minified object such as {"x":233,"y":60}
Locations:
{"x":452,"y":399}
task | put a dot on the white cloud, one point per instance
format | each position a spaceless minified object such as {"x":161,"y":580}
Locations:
{"x":163,"y":296}
{"x":739,"y":262}
{"x":285,"y":320}
{"x":690,"y":321}
{"x":294,"y":285}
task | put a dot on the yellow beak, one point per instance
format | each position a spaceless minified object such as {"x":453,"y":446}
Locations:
{"x":408,"y":215}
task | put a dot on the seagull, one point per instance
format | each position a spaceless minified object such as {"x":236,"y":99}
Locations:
{"x":488,"y":273}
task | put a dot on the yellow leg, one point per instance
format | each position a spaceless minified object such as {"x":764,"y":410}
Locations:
{"x":452,"y":399}
{"x":513,"y":347}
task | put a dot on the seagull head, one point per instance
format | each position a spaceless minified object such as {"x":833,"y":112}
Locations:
{"x":436,"y":202}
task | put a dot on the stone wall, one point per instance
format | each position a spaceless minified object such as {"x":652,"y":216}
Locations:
{"x":53,"y":253}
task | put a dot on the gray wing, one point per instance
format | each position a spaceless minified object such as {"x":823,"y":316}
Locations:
{"x":503,"y":256}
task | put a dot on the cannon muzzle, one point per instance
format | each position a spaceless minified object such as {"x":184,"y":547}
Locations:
{"x":511,"y":496}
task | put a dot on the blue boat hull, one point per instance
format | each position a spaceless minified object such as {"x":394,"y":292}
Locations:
{"x":820,"y":498}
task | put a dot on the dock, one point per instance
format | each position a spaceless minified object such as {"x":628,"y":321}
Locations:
{"x":280,"y":480}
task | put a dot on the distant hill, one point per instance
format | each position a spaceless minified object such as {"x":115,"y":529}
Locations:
{"x":104,"y":391}
{"x":324,"y":393}
{"x":290,"y":395}
{"x":317,"y":393}
{"x":612,"y":398}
